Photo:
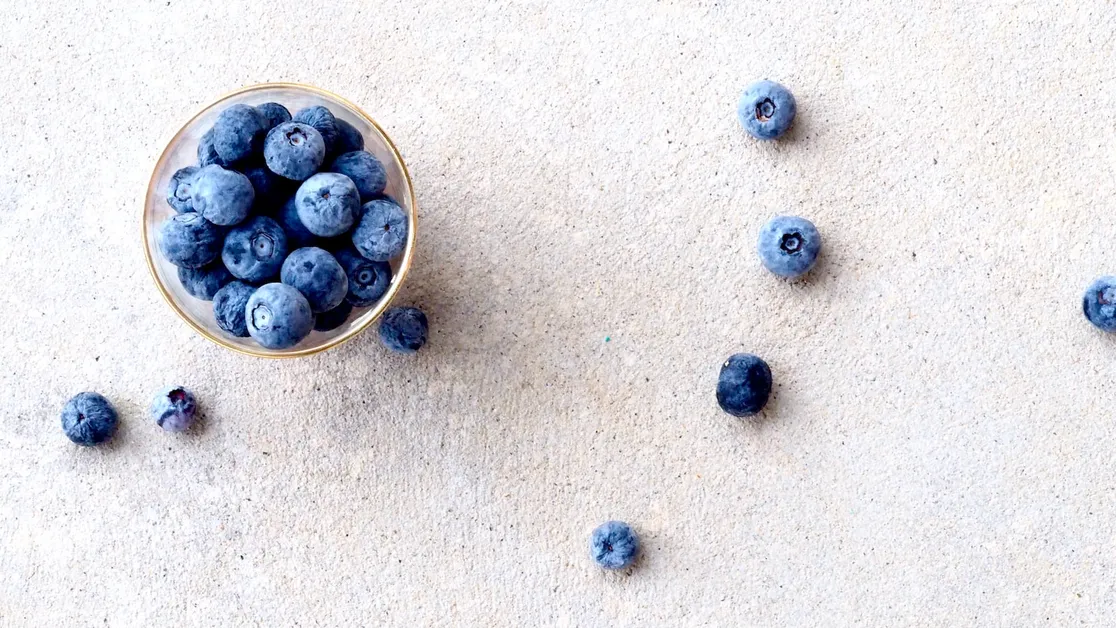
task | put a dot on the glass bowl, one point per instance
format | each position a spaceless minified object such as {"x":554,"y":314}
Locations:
{"x":182,"y":152}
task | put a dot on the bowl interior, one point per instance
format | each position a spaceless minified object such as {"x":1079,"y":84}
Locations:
{"x":182,"y":152}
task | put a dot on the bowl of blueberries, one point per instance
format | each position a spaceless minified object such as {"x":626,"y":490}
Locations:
{"x":280,"y":221}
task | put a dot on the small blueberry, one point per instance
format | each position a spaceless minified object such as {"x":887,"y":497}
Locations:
{"x":317,"y":275}
{"x":348,"y":138}
{"x":255,"y":251}
{"x":766,"y":110}
{"x":365,"y":170}
{"x":298,"y":235}
{"x":743,"y":385}
{"x":228,"y":307}
{"x":273,"y":114}
{"x":188,"y":240}
{"x":278,"y":316}
{"x":88,"y":419}
{"x":381,"y":233}
{"x":368,"y":280}
{"x":614,"y":545}
{"x":173,"y":409}
{"x":269,"y":188}
{"x":327,"y":204}
{"x":321,"y":119}
{"x":788,"y":245}
{"x":328,"y":321}
{"x":203,"y":283}
{"x":223,"y":197}
{"x":179,"y":194}
{"x":207,"y":153}
{"x":294,"y":150}
{"x":1099,"y":303}
{"x":403,"y":329}
{"x":238,"y":133}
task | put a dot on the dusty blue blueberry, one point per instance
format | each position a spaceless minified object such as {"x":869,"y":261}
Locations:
{"x":294,"y":150}
{"x":381,"y":233}
{"x":223,"y":197}
{"x":1099,"y":303}
{"x":743,"y":385}
{"x":269,"y":188}
{"x":273,"y":114}
{"x":403,"y":329}
{"x":188,"y":240}
{"x":321,"y":119}
{"x":298,"y":235}
{"x":254,"y":252}
{"x":327,"y":204}
{"x":317,"y":275}
{"x":173,"y":409}
{"x":228,"y":307}
{"x":368,"y":280}
{"x":278,"y":316}
{"x":766,"y":110}
{"x":207,"y":153}
{"x":238,"y":133}
{"x":788,"y":245}
{"x":614,"y":545}
{"x":328,"y":321}
{"x":348,"y":138}
{"x":88,"y":419}
{"x":365,"y":170}
{"x":203,"y":283}
{"x":180,"y":189}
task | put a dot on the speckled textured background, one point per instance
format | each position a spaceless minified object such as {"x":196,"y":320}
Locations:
{"x":939,"y":450}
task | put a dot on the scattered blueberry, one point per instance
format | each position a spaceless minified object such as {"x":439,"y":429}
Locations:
{"x":173,"y":409}
{"x":294,"y":150}
{"x":789,"y":245}
{"x":381,"y":233}
{"x":766,"y":110}
{"x":368,"y":280}
{"x":298,"y":235}
{"x":189,"y":240}
{"x":403,"y":329}
{"x":223,"y":197}
{"x":348,"y":138}
{"x":321,"y":119}
{"x":228,"y":307}
{"x":1099,"y":303}
{"x":614,"y":545}
{"x":744,"y":385}
{"x":203,"y":283}
{"x":255,"y":251}
{"x":328,"y":321}
{"x":238,"y":133}
{"x":318,"y":276}
{"x":207,"y":152}
{"x":88,"y":419}
{"x":327,"y":204}
{"x":273,"y":114}
{"x":179,"y":193}
{"x":365,"y":170}
{"x":278,"y":316}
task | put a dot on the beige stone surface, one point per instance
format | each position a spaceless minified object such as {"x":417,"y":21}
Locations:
{"x":939,"y":450}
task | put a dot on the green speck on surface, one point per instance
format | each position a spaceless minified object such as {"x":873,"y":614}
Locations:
{"x":608,"y":338}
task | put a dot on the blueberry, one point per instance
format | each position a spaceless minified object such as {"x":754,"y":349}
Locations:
{"x":207,"y":152}
{"x":321,"y":119}
{"x":173,"y":409}
{"x":88,"y":419}
{"x":278,"y":316}
{"x":381,"y":233}
{"x":327,"y":204}
{"x":1099,"y":303}
{"x":203,"y":283}
{"x":255,"y":251}
{"x":766,"y":110}
{"x":269,"y":188}
{"x":348,"y":138}
{"x":318,"y":276}
{"x":744,"y":385}
{"x":614,"y":545}
{"x":789,"y":245}
{"x":238,"y":133}
{"x":273,"y":114}
{"x":328,"y":321}
{"x":298,"y":235}
{"x":294,"y":150}
{"x":228,"y":308}
{"x":368,"y":280}
{"x":223,"y":197}
{"x":188,"y":240}
{"x":365,"y":170}
{"x":403,"y":329}
{"x":179,"y":191}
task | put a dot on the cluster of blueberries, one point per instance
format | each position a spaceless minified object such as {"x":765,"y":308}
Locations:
{"x":284,"y":225}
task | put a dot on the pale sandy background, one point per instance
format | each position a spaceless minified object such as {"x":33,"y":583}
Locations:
{"x":940,"y":448}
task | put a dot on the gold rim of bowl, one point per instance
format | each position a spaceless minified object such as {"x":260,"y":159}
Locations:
{"x":397,"y":279}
